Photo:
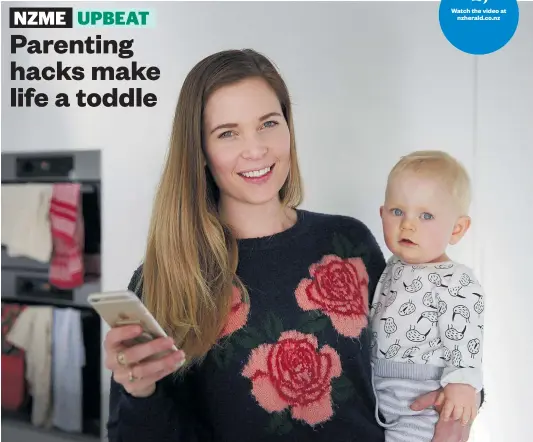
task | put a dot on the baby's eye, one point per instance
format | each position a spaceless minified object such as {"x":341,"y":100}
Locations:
{"x":427,"y":216}
{"x":397,"y":212}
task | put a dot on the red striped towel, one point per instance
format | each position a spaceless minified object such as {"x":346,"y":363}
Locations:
{"x":66,"y":221}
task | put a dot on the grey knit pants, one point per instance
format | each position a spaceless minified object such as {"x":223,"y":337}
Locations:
{"x":397,"y":385}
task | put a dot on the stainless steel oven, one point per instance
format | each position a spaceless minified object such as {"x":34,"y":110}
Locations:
{"x":26,"y":281}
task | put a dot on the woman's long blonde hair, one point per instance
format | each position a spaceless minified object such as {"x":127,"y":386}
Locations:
{"x":191,"y":256}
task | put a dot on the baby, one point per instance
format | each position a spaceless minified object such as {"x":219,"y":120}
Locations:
{"x":427,"y":311}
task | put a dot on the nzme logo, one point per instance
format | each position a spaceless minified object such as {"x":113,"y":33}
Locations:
{"x":40,"y":17}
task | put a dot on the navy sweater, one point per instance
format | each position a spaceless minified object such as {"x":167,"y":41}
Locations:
{"x":293,"y":364}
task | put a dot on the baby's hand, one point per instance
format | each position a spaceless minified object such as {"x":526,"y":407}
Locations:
{"x":458,"y":402}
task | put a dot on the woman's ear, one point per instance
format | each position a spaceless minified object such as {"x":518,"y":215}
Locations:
{"x":459,"y":230}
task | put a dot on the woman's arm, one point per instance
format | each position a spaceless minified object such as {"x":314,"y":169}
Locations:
{"x":171,"y":413}
{"x":163,"y":416}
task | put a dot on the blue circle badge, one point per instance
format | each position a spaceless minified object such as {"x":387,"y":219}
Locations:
{"x":478,"y":26}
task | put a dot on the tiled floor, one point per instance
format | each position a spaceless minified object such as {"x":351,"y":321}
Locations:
{"x":18,"y":432}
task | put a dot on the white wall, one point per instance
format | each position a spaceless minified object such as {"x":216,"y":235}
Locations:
{"x":367,"y":87}
{"x":504,"y":157}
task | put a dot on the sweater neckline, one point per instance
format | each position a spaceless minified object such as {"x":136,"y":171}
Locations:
{"x":279,"y":239}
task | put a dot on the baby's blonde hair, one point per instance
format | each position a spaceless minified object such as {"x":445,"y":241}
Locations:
{"x":439,"y":165}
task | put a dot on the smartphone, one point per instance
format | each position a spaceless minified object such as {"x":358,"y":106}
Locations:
{"x":125,"y":308}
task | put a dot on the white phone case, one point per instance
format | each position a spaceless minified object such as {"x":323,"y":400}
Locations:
{"x":125,"y":308}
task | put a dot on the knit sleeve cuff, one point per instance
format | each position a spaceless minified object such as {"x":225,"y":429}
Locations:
{"x":137,"y":406}
{"x":470,"y":376}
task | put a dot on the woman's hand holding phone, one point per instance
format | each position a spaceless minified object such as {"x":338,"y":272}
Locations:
{"x":135,"y":367}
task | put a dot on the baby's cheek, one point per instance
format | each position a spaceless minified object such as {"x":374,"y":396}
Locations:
{"x":436,"y":239}
{"x":388,"y":226}
{"x":388,"y":232}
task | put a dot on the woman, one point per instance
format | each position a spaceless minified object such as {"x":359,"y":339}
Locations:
{"x":267,"y":303}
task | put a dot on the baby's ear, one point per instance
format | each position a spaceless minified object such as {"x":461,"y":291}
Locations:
{"x":381,"y":211}
{"x":459,"y":230}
